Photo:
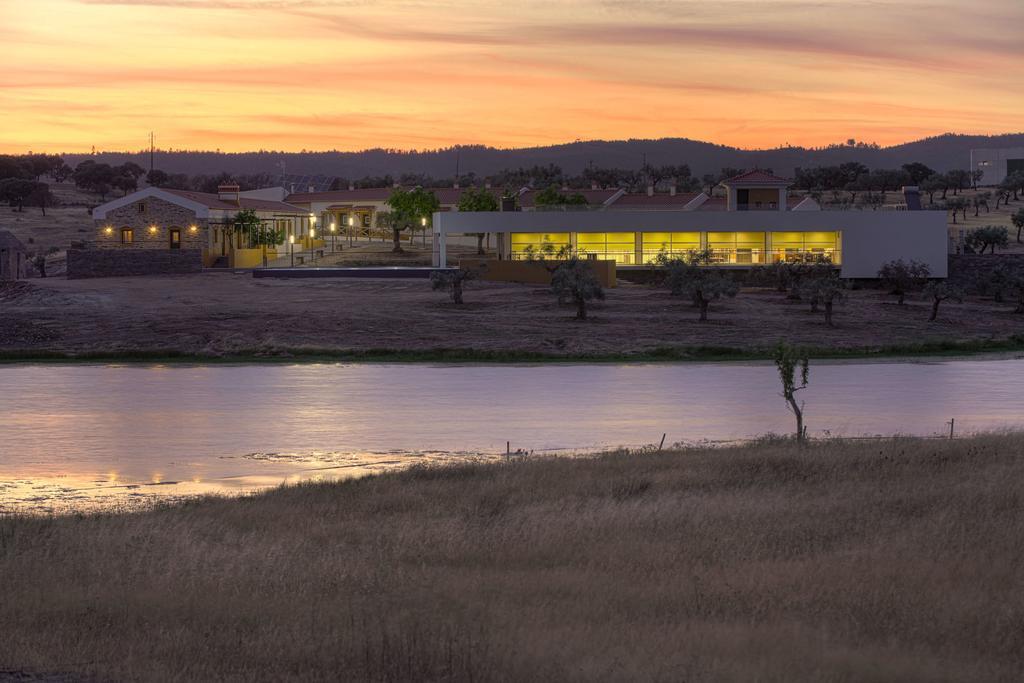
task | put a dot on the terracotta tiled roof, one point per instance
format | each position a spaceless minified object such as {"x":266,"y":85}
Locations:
{"x":213,"y":201}
{"x":757,"y":177}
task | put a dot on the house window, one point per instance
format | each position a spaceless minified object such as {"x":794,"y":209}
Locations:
{"x":127,"y":235}
{"x":142,"y":207}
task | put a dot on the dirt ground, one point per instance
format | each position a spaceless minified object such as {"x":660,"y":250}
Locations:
{"x":225,"y":313}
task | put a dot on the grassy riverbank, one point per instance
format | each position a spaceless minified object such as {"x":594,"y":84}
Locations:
{"x":864,"y":560}
{"x":223,"y":316}
{"x":1012,"y":344}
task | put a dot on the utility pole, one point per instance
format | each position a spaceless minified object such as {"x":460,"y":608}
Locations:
{"x":152,"y":150}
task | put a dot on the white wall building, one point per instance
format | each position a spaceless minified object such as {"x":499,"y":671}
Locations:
{"x":996,"y":164}
{"x":756,"y":225}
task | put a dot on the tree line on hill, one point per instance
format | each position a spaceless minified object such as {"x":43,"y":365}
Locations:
{"x":943,"y":153}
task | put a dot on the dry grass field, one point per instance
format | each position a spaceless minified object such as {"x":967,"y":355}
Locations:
{"x":868,"y":561}
{"x":216,"y":315}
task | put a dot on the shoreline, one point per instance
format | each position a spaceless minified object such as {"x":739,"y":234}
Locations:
{"x":680,"y":354}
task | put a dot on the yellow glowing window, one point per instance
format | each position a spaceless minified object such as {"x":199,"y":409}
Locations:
{"x":790,"y":246}
{"x":672,"y":243}
{"x":616,"y":246}
{"x":127,"y":235}
{"x":741,"y":248}
{"x":538,"y":242}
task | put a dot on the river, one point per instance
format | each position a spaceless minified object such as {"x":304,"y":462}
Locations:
{"x":77,"y":436}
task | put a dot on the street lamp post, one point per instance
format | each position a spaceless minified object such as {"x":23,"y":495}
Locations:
{"x":312,"y":232}
{"x":423,"y":222}
{"x":351,"y":229}
{"x":334,"y":237}
{"x":291,"y":248}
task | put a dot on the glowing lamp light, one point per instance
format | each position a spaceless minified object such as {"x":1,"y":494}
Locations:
{"x":291,"y":239}
{"x":312,"y":232}
{"x":152,"y":229}
{"x":351,"y":221}
{"x":108,"y":230}
{"x":333,"y":226}
{"x":193,"y":229}
{"x":423,"y":222}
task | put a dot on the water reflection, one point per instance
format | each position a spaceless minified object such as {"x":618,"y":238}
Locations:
{"x":77,"y":435}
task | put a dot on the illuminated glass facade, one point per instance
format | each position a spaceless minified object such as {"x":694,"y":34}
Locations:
{"x":611,"y":246}
{"x":523,"y":243}
{"x":727,"y":248}
{"x":671,"y":243}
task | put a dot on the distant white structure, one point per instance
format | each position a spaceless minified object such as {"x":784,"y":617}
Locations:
{"x":996,"y":164}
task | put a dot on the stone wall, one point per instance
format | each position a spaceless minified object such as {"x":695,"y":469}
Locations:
{"x":150,"y":219}
{"x":87,"y":263}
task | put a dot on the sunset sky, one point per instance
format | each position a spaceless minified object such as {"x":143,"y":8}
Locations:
{"x":350,"y":74}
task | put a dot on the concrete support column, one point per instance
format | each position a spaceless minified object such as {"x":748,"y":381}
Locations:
{"x":782,"y":199}
{"x":638,"y":248}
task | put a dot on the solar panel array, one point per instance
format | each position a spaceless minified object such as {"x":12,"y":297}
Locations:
{"x":295,"y":182}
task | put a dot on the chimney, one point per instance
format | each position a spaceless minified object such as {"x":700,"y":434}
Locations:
{"x":312,"y":189}
{"x":912,"y":197}
{"x":593,"y":186}
{"x":351,"y":186}
{"x":650,"y":190}
{"x":229,"y":192}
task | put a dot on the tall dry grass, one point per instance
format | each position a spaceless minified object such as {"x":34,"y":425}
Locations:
{"x":893,"y":560}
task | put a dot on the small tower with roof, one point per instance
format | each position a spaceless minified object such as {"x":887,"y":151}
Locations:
{"x":756,"y":190}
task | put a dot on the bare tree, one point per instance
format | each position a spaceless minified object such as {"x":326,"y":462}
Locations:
{"x":788,"y":360}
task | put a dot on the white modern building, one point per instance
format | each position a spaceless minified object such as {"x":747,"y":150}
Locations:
{"x":996,"y":164}
{"x":755,"y":224}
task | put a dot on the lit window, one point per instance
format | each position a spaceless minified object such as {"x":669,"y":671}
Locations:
{"x":127,"y":235}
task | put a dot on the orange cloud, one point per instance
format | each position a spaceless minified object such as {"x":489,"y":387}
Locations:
{"x":352,"y":74}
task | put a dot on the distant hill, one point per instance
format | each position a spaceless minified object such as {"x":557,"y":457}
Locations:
{"x":943,"y":153}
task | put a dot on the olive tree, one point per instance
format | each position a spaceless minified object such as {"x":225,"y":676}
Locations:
{"x":902,"y":277}
{"x":695,"y":280}
{"x":408,"y":209}
{"x":789,"y":360}
{"x":826,"y":290}
{"x":453,"y":281}
{"x":939,"y":291}
{"x":1018,"y":222}
{"x":988,"y":237}
{"x":574,"y":280}
{"x":478,"y":199}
